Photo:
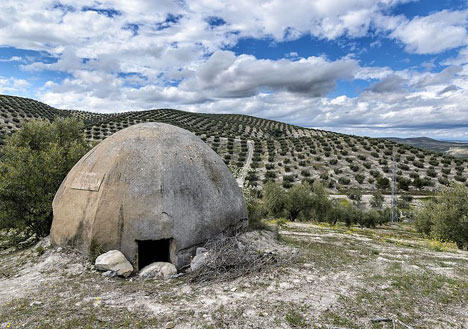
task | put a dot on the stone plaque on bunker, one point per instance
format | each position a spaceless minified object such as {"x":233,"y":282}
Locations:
{"x":88,"y":181}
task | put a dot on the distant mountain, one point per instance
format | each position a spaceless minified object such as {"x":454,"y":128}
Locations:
{"x":457,"y":149}
{"x":269,"y":150}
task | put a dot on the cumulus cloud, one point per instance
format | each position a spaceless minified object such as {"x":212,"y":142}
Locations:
{"x":225,"y":75}
{"x":127,"y":55}
{"x":434,"y":33}
{"x":443,"y":77}
{"x":461,"y":58}
{"x":390,"y":83}
{"x":12,"y":85}
{"x":448,"y":89}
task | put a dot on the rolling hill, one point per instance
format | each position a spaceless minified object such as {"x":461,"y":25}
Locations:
{"x":273,"y":150}
{"x":457,"y":149}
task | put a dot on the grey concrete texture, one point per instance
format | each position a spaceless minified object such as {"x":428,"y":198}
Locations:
{"x":155,"y":181}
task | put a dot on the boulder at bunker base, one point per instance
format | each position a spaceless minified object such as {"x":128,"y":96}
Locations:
{"x":158,"y":270}
{"x":115,"y":261}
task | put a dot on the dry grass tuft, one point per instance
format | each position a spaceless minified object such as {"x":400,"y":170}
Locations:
{"x":229,"y":259}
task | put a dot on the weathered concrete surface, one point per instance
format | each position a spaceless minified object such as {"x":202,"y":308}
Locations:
{"x":148,"y":182}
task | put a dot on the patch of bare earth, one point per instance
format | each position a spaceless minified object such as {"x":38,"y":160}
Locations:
{"x":338,"y":278}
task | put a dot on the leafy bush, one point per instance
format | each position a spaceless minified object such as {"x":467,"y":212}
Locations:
{"x":460,"y":178}
{"x":35,"y":161}
{"x":256,"y":211}
{"x":299,"y":201}
{"x":344,"y":180}
{"x":444,"y":181}
{"x":446,"y":218}
{"x":418,"y":164}
{"x":275,"y":199}
{"x":354,"y":168}
{"x":360,"y":178}
{"x":431,"y":172}
{"x":354,"y":194}
{"x":382,"y":183}
{"x":320,"y":202}
{"x":404,"y":183}
{"x":377,"y":199}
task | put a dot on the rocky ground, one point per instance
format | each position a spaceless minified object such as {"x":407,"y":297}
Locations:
{"x":333,"y":278}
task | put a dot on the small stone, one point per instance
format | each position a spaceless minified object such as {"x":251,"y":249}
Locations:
{"x":114,"y":260}
{"x":200,"y":251}
{"x":198,"y":261}
{"x":157,"y":270}
{"x":109,"y":274}
{"x":233,"y":289}
{"x":170,"y":325}
{"x":75,"y":269}
{"x":44,"y":243}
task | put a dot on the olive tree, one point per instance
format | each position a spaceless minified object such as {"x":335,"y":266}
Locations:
{"x":446,"y":217}
{"x":33,"y":163}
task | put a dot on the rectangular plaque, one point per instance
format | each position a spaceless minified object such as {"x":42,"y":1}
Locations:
{"x":88,"y":181}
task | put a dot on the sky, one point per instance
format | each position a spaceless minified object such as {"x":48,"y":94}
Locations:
{"x":363,"y":67}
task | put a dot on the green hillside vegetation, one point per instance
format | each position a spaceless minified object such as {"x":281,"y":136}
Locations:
{"x":282,"y":153}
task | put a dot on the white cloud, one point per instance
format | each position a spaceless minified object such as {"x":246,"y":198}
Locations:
{"x":434,"y":33}
{"x":462,"y":58}
{"x":12,"y":85}
{"x":11,"y":59}
{"x":225,"y":75}
{"x":138,"y":59}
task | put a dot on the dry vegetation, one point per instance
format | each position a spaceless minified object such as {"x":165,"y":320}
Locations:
{"x":340,"y":278}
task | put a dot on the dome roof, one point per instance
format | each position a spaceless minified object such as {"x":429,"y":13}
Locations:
{"x":149,"y":182}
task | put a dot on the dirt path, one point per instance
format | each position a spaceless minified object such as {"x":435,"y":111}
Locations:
{"x":245,"y":169}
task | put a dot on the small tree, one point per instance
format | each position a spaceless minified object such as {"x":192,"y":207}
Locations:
{"x":275,"y":199}
{"x":383,"y":183}
{"x":35,"y":160}
{"x":255,"y":209}
{"x":446,"y":218}
{"x":377,"y":199}
{"x":299,"y":201}
{"x":321,"y":203}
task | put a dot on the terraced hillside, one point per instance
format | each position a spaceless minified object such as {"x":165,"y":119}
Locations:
{"x":281,"y":152}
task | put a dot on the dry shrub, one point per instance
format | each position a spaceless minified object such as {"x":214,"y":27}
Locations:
{"x":228,"y":259}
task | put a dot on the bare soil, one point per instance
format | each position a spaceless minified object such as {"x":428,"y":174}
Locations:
{"x":339,"y":278}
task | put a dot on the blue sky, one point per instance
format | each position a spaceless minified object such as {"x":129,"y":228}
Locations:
{"x":366,"y":67}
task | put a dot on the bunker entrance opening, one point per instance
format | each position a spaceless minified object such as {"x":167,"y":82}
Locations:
{"x":150,"y":251}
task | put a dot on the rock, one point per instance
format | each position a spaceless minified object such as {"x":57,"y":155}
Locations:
{"x":200,"y":251}
{"x":170,"y":325}
{"x":43,"y":243}
{"x":74,"y":269}
{"x":109,"y":274}
{"x":114,"y":260}
{"x":158,"y":270}
{"x":198,"y":261}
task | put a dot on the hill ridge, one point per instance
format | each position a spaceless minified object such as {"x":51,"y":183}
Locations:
{"x":284,"y":153}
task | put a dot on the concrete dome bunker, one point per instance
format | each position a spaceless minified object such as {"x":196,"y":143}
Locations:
{"x":153,"y":191}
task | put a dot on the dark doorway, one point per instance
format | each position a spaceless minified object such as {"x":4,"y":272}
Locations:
{"x":150,"y":251}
